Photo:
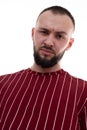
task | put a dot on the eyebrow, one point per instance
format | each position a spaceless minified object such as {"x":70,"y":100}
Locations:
{"x":61,"y":32}
{"x":58,"y":32}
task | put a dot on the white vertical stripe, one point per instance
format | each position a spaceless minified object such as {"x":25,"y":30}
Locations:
{"x":81,"y":92}
{"x":82,"y":105}
{"x":80,"y":98}
{"x":28,"y":103}
{"x":13,"y":100}
{"x":85,"y":115}
{"x":43,"y":102}
{"x":59,"y":102}
{"x":2,"y":77}
{"x":8,"y":97}
{"x":1,"y":80}
{"x":74,"y":105}
{"x":56,"y":83}
{"x":35,"y":104}
{"x":20,"y":103}
{"x":76,"y":124}
{"x":8,"y":86}
{"x":66,"y":104}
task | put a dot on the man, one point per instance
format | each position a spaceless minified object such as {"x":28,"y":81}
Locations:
{"x":45,"y":97}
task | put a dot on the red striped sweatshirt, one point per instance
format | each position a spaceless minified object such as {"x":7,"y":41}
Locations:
{"x":42,"y":101}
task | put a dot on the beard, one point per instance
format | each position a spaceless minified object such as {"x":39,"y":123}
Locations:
{"x":47,"y":63}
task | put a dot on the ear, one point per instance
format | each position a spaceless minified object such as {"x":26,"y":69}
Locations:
{"x":32,"y":32}
{"x":70,"y":43}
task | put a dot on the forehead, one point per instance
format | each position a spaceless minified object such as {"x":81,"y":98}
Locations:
{"x":55,"y":21}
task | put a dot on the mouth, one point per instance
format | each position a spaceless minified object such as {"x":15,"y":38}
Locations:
{"x":46,"y":51}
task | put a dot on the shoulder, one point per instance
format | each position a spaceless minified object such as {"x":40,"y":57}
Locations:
{"x":5,"y":77}
{"x":79,"y":81}
{"x":79,"y":84}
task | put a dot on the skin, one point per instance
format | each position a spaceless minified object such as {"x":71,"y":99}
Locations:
{"x":54,"y":31}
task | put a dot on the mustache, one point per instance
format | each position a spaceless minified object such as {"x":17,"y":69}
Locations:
{"x":48,"y":48}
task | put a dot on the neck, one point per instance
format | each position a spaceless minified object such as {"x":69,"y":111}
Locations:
{"x":37,"y":68}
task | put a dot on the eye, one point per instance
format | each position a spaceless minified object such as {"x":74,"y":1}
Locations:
{"x":59,"y":36}
{"x":43,"y":31}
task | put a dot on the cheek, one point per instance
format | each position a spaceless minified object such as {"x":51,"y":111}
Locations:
{"x":60,"y":47}
{"x":37,"y":43}
{"x":38,"y":40}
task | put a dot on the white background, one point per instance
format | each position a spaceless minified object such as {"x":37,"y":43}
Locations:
{"x":17,"y":17}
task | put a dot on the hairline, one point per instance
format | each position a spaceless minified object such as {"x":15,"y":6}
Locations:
{"x":58,"y":10}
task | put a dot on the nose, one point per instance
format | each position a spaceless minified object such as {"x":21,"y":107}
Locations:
{"x":49,"y":40}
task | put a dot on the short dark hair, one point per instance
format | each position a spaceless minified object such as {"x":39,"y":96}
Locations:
{"x":59,"y":10}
